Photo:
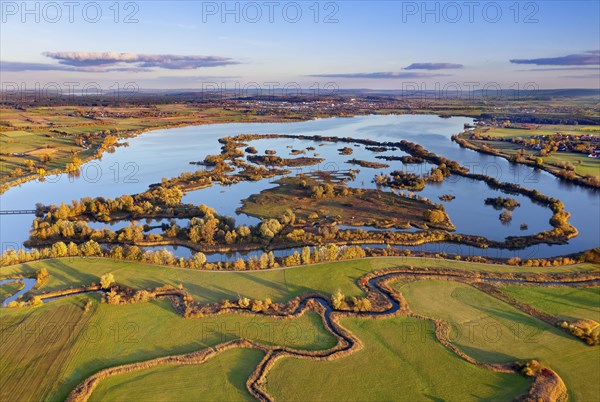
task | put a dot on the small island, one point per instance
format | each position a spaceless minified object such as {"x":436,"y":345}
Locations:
{"x":500,"y":202}
{"x":324,"y":203}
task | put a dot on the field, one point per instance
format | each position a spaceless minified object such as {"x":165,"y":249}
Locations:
{"x":570,"y":304}
{"x":582,"y":163}
{"x":223,"y":378}
{"x":36,"y":345}
{"x":9,"y":289}
{"x":288,"y":211}
{"x":400,"y":352}
{"x":493,"y":331}
{"x":401,"y":360}
{"x":279,"y":284}
{"x":112,"y":335}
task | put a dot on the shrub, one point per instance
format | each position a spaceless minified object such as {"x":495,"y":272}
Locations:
{"x":270,"y":228}
{"x":107,"y":280}
{"x":435,"y":216}
{"x":42,"y":277}
{"x":338,"y":300}
{"x":36,"y":302}
{"x":243,"y":302}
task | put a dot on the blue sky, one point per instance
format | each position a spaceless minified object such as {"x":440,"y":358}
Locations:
{"x":552,"y":44}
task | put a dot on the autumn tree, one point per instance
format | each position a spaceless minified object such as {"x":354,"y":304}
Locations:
{"x":239,"y":265}
{"x":243,"y":231}
{"x":42,"y":277}
{"x":338,"y":299}
{"x":107,"y":280}
{"x":306,"y":255}
{"x":293,"y":259}
{"x":263,"y":261}
{"x":59,"y":249}
{"x":435,"y":216}
{"x":270,"y":228}
{"x":36,"y":302}
{"x":243,"y":302}
{"x":199,"y":260}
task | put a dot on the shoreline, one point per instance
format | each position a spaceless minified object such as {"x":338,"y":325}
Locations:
{"x":467,"y":144}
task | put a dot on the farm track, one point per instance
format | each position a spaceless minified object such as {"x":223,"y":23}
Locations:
{"x":387,"y":302}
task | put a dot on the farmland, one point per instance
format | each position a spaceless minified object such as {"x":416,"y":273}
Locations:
{"x":401,"y":353}
{"x":314,"y":283}
{"x":221,"y":378}
{"x":123,"y":335}
{"x":494,"y":331}
{"x":404,"y":352}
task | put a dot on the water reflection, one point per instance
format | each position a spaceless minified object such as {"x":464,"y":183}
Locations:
{"x":167,"y":153}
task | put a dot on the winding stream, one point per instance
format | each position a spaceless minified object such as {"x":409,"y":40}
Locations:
{"x":28,"y":283}
{"x":393,"y":303}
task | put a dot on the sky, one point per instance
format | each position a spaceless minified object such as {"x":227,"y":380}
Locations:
{"x":320,"y":45}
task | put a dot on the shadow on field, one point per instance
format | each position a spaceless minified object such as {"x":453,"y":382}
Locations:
{"x":65,"y":274}
{"x":487,"y":355}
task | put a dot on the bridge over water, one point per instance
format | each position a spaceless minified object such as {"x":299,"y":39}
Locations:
{"x":18,"y":212}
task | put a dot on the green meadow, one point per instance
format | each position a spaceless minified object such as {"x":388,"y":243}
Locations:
{"x":492,"y":331}
{"x":221,"y":378}
{"x":46,"y":352}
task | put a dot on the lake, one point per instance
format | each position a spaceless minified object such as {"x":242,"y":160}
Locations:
{"x":167,"y":153}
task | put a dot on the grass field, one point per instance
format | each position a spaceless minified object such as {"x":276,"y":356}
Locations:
{"x":9,"y":289}
{"x":35,"y":345}
{"x":222,"y":378}
{"x":401,"y":360}
{"x":492,"y":331}
{"x":399,"y":352}
{"x":113,"y":335}
{"x":280,"y":285}
{"x":569,"y":304}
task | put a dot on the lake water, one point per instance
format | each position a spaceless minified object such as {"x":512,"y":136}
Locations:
{"x":167,"y":153}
